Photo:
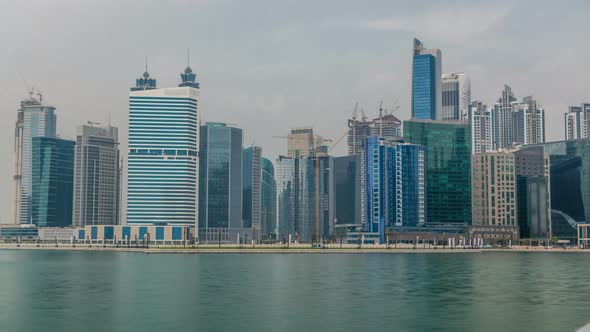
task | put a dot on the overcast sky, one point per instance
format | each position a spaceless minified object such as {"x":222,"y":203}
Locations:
{"x":270,"y":65}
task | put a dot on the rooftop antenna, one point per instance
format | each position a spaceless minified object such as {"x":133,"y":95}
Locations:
{"x":146,"y":63}
{"x":188,"y":57}
{"x":381,"y":119}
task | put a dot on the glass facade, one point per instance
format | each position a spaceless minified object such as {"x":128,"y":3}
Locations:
{"x":394,"y":185}
{"x":97,"y":177}
{"x":448,"y":168}
{"x":220,"y":176}
{"x":163,"y":156}
{"x":347,"y":209}
{"x":304,"y":206}
{"x":34,"y":120}
{"x":268,"y":197}
{"x":53,"y":176}
{"x":285,"y":187}
{"x":251,"y":188}
{"x":424,"y":87}
{"x":570,"y":178}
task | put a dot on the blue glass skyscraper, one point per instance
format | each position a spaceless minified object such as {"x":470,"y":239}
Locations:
{"x":53,"y":176}
{"x":220,"y":178}
{"x":163,"y":152}
{"x":426,"y":82}
{"x":304,"y":203}
{"x":251,"y":212}
{"x":268,"y":197}
{"x":393,"y":185}
{"x":34,"y":119}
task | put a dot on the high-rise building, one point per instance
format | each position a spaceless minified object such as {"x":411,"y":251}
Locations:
{"x":386,"y":126}
{"x":97,"y":176}
{"x":347,"y":190}
{"x":577,"y":121}
{"x":503,"y":134}
{"x":220,"y":180}
{"x":394,"y":186}
{"x":494,"y":189}
{"x":532,"y":171}
{"x":251,"y":206}
{"x":456,"y":96}
{"x":287,"y":189}
{"x":34,"y":119}
{"x":448,"y":168}
{"x":426,"y":82}
{"x":268,"y":198}
{"x":163,"y":152}
{"x":480,"y":119}
{"x":528,"y":122}
{"x":300,"y":143}
{"x":304,"y":204}
{"x":569,"y":169}
{"x":517,"y":123}
{"x":53,"y":175}
{"x":358,"y":131}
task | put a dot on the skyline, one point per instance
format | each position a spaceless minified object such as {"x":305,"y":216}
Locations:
{"x":306,"y":72}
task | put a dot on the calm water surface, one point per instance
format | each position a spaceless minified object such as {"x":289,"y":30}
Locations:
{"x":117,"y":291}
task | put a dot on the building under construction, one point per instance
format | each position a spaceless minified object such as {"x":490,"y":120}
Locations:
{"x":386,"y":126}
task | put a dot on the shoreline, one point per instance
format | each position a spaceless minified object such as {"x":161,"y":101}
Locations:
{"x":278,"y":250}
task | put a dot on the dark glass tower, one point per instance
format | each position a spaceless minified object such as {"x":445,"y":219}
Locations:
{"x":448,"y":168}
{"x":220,"y":176}
{"x":268,"y":205}
{"x":53,"y":179}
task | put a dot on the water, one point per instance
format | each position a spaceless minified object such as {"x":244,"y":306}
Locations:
{"x":118,"y":291}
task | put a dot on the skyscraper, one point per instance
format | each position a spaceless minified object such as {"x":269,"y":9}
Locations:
{"x":268,"y":198}
{"x":448,"y":168}
{"x":503,"y":130}
{"x":97,"y":176}
{"x":251,"y":207}
{"x":480,"y":120}
{"x":386,"y":126}
{"x":494,"y":189}
{"x":358,"y":131}
{"x":426,"y":82}
{"x":220,"y":179}
{"x":304,"y":204}
{"x":529,"y":122}
{"x":163,"y":152}
{"x":34,"y":119}
{"x":456,"y":96}
{"x":394,"y":186}
{"x":53,"y":175}
{"x":533,"y":182}
{"x":517,"y":123}
{"x":347,"y":190}
{"x":300,"y":143}
{"x":577,"y":121}
{"x":288,"y":196}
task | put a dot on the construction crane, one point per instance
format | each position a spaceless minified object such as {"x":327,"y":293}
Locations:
{"x":317,"y":141}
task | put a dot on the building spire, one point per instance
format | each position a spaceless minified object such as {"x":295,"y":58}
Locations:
{"x":145,"y":82}
{"x":188,"y":78}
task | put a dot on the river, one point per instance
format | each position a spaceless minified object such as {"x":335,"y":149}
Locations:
{"x":123,"y":291}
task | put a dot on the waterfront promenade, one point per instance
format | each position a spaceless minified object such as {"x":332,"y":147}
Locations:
{"x":280,"y":249}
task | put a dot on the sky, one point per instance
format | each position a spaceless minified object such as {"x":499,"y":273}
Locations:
{"x":267,"y":65}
